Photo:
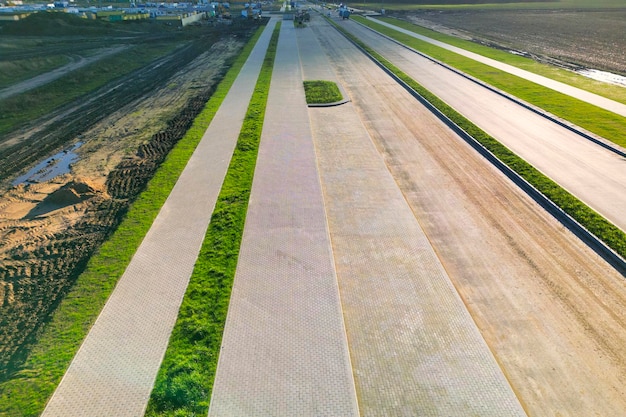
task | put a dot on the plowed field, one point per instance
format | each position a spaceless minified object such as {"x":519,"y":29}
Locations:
{"x":570,"y":38}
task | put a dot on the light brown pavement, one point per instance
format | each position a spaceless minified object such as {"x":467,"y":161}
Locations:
{"x":551,"y":310}
{"x":284,"y":350}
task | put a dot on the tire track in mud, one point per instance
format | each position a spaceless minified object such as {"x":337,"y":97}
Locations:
{"x":41,"y":271}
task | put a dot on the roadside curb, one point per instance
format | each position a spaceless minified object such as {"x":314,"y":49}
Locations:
{"x":336,"y":103}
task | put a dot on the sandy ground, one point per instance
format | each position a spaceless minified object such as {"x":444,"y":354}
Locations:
{"x":115,"y":138}
{"x":553,"y":313}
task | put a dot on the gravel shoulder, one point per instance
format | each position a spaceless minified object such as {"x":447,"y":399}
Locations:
{"x":552,"y":312}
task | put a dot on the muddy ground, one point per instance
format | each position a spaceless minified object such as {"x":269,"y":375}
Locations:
{"x":571,"y":38}
{"x":114,"y":140}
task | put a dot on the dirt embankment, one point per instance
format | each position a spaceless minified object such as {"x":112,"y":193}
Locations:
{"x":570,"y":38}
{"x":49,"y":228}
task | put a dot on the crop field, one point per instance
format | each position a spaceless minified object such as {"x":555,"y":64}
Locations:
{"x":117,"y":118}
{"x":573,"y":34}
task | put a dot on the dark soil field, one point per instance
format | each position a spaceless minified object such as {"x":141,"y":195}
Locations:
{"x":117,"y":134}
{"x":585,"y":38}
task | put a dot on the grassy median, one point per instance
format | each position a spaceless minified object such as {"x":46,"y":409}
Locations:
{"x":185,"y":380}
{"x":321,"y":92}
{"x":592,"y":221}
{"x":26,"y":392}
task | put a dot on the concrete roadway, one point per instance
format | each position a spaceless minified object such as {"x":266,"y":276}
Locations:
{"x":593,"y":174}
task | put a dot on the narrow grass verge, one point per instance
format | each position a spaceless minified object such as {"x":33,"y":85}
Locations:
{"x":594,"y":119}
{"x":26,"y":392}
{"x":588,"y":218}
{"x":185,"y":380}
{"x":321,"y":92}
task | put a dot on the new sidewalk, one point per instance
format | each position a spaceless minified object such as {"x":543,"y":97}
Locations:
{"x":114,"y":371}
{"x":284,"y":351}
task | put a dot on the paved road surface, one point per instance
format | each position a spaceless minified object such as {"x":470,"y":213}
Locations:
{"x":415,"y":349}
{"x":551,"y":311}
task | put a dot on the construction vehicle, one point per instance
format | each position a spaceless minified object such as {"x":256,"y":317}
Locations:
{"x":344,"y":12}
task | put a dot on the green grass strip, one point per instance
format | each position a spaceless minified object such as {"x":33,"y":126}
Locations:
{"x":185,"y":380}
{"x":614,"y":237}
{"x":321,"y":92}
{"x":28,"y":390}
{"x":592,"y":118}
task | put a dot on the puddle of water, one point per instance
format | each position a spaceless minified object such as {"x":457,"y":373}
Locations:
{"x":51,"y":167}
{"x":604,"y":76}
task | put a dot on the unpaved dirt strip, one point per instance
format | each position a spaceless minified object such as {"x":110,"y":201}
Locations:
{"x":284,"y":351}
{"x":593,"y":174}
{"x":415,"y":348}
{"x":50,"y":76}
{"x":114,"y":370}
{"x":583,"y":95}
{"x":552,"y":312}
